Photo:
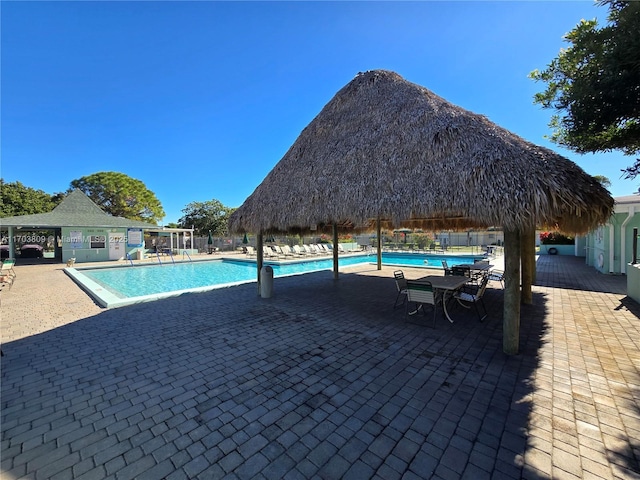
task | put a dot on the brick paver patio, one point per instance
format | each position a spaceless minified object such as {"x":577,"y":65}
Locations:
{"x":323,"y":380}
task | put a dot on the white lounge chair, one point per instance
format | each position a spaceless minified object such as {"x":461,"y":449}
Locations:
{"x":299,"y":251}
{"x":286,"y":251}
{"x":268,"y":252}
{"x":320,"y":248}
{"x":308,"y":249}
{"x":7,"y":273}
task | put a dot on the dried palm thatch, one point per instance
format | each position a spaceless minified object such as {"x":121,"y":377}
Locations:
{"x":385,"y":148}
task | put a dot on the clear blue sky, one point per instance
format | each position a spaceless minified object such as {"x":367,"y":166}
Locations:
{"x":199,"y":100}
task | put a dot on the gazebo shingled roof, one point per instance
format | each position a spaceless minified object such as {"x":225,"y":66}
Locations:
{"x":75,"y":210}
{"x":387,"y":148}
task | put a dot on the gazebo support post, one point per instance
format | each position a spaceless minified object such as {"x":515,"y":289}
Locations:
{"x":528,"y":257}
{"x":511,"y":315}
{"x":335,"y":251}
{"x":12,"y":245}
{"x":259,"y":256}
{"x":379,"y":243}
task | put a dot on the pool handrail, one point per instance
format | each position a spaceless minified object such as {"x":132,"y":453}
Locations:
{"x":184,"y":252}
{"x":129,"y":258}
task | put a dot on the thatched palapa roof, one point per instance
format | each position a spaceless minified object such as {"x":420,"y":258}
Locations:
{"x":387,"y":148}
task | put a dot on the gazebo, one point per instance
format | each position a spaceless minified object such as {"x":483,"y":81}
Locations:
{"x":387,"y":153}
{"x":84,"y":231}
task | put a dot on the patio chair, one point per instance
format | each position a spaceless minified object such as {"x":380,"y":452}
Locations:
{"x":401,"y":285}
{"x":474,"y":298}
{"x":462,"y":271}
{"x":420,"y":294}
{"x":447,"y":270}
{"x":497,"y":276}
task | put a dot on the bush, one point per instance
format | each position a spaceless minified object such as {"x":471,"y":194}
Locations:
{"x":555,"y":238}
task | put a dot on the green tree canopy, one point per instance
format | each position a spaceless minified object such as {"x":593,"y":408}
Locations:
{"x":594,"y":85}
{"x":206,"y":216}
{"x":604,"y":181}
{"x":17,"y":199}
{"x":121,"y":196}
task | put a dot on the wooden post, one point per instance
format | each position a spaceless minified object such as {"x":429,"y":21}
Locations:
{"x":335,"y":251}
{"x":379,"y":243}
{"x":528,"y":258}
{"x":259,"y":256}
{"x":511,"y":320}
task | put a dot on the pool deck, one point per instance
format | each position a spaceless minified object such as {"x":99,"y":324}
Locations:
{"x":323,"y":380}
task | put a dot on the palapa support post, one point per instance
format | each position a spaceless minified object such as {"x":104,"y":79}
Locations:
{"x":511,"y":321}
{"x":379,"y":243}
{"x":335,"y":251}
{"x":259,"y":257}
{"x":528,"y":261}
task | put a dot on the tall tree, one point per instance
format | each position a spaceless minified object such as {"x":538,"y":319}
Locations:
{"x":121,"y":196}
{"x":206,"y":216}
{"x":594,"y":85}
{"x":17,"y":199}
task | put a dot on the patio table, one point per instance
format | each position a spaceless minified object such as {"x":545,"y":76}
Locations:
{"x":447,"y":285}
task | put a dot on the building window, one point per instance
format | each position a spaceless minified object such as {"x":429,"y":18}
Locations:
{"x":98,"y":241}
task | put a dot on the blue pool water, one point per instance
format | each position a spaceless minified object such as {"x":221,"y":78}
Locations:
{"x":113,"y":286}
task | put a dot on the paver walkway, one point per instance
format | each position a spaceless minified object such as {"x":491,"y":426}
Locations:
{"x":323,"y":380}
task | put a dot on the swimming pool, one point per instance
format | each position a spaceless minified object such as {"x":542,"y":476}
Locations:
{"x":124,"y":285}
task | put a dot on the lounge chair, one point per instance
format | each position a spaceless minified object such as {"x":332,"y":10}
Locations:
{"x":420,"y":294}
{"x":286,"y":251}
{"x":268,"y":252}
{"x":250,"y":251}
{"x":308,"y":250}
{"x":299,"y":251}
{"x":474,"y":298}
{"x":323,"y":249}
{"x":7,"y":273}
{"x":7,"y":267}
{"x":401,"y":285}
